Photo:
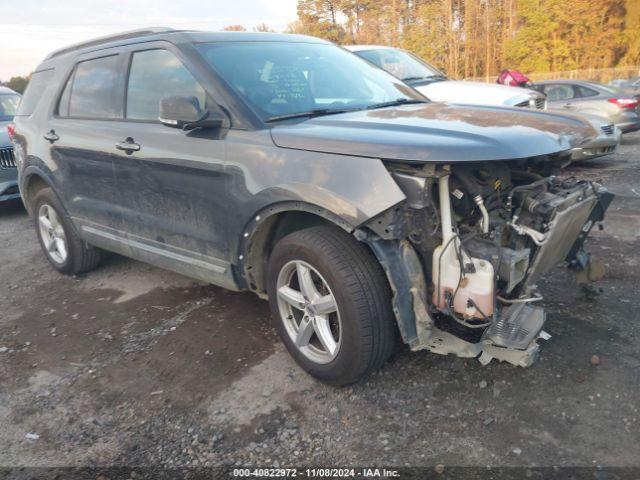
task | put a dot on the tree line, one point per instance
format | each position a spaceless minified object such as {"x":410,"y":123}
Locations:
{"x":472,"y":38}
{"x":477,"y":38}
{"x":17,"y":84}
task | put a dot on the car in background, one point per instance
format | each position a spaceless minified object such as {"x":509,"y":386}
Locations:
{"x":436,"y":86}
{"x":9,"y":101}
{"x":607,"y":141}
{"x":630,"y":85}
{"x":581,"y":97}
{"x":432,"y":83}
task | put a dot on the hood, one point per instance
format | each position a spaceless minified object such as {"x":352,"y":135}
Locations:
{"x":4,"y":135}
{"x":437,"y":132}
{"x":475,"y":93}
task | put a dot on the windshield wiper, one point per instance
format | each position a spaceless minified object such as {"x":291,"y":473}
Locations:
{"x":429,"y":78}
{"x":397,"y":101}
{"x":317,"y":112}
{"x":413,"y":79}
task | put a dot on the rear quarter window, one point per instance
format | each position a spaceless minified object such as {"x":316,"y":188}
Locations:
{"x":585,"y":92}
{"x":35,"y":89}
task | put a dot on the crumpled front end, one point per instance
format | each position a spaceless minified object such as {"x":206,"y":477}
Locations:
{"x":465,"y":251}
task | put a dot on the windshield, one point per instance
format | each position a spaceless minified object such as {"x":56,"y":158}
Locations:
{"x":403,"y":65}
{"x":279,"y":79}
{"x":8,"y":106}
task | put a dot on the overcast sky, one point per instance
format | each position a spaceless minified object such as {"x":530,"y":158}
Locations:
{"x":29,"y":29}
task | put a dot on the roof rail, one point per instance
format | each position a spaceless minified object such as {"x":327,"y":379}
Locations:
{"x":109,"y":38}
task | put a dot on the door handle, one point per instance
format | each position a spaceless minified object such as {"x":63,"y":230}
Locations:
{"x":51,"y":136}
{"x":128,"y":146}
{"x":568,"y":105}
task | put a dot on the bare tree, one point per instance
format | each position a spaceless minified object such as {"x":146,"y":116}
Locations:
{"x":234,"y":28}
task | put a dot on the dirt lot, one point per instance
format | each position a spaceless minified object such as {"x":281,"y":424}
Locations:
{"x":131,"y":365}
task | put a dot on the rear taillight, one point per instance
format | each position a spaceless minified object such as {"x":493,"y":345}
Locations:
{"x":625,"y":102}
{"x":12,"y":131}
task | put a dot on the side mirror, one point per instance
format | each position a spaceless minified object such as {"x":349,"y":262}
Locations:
{"x":185,"y":113}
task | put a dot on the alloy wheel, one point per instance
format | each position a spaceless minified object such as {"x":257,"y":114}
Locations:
{"x":309,"y":311}
{"x":52,"y":233}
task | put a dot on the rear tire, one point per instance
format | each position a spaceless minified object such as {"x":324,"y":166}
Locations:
{"x":362,"y":325}
{"x":62,"y":246}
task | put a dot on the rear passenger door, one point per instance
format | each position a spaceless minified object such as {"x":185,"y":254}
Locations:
{"x":171,"y":184}
{"x":80,"y":137}
{"x":588,"y":99}
{"x":560,"y":95}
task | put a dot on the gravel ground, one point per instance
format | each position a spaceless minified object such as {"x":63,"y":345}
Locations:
{"x":132,"y":365}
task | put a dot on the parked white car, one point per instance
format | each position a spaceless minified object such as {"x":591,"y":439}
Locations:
{"x":435,"y":85}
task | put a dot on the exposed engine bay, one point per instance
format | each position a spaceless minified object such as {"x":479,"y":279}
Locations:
{"x":481,"y":235}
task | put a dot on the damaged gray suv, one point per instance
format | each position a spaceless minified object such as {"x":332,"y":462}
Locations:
{"x":289,"y":167}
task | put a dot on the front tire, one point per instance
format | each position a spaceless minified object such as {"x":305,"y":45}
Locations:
{"x":62,"y":246}
{"x":331,"y":304}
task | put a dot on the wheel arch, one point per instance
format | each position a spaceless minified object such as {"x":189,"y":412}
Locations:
{"x":32,"y":181}
{"x":399,"y":260}
{"x":269,"y":225}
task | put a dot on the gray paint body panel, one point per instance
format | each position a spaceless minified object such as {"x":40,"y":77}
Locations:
{"x":262,"y":174}
{"x":438,"y":132}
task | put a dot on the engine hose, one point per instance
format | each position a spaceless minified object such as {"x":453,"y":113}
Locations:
{"x":471,"y":186}
{"x":484,"y":212}
{"x":519,"y":300}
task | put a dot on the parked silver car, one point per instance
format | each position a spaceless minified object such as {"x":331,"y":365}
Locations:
{"x":590,"y":97}
{"x":8,"y":174}
{"x":607,"y":141}
{"x":435,"y":85}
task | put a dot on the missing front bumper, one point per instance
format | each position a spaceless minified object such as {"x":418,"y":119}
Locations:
{"x":569,"y":212}
{"x":445,"y":343}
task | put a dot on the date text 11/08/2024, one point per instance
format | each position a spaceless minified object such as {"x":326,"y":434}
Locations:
{"x":316,"y":472}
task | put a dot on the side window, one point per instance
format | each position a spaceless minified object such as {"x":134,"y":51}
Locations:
{"x":559,"y":92}
{"x":36,"y":87}
{"x":8,"y":106}
{"x":586,"y":92}
{"x":155,"y":74}
{"x":92,"y":90}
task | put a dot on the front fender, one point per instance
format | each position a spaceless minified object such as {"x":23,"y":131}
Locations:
{"x":258,"y":234}
{"x":355,"y":189}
